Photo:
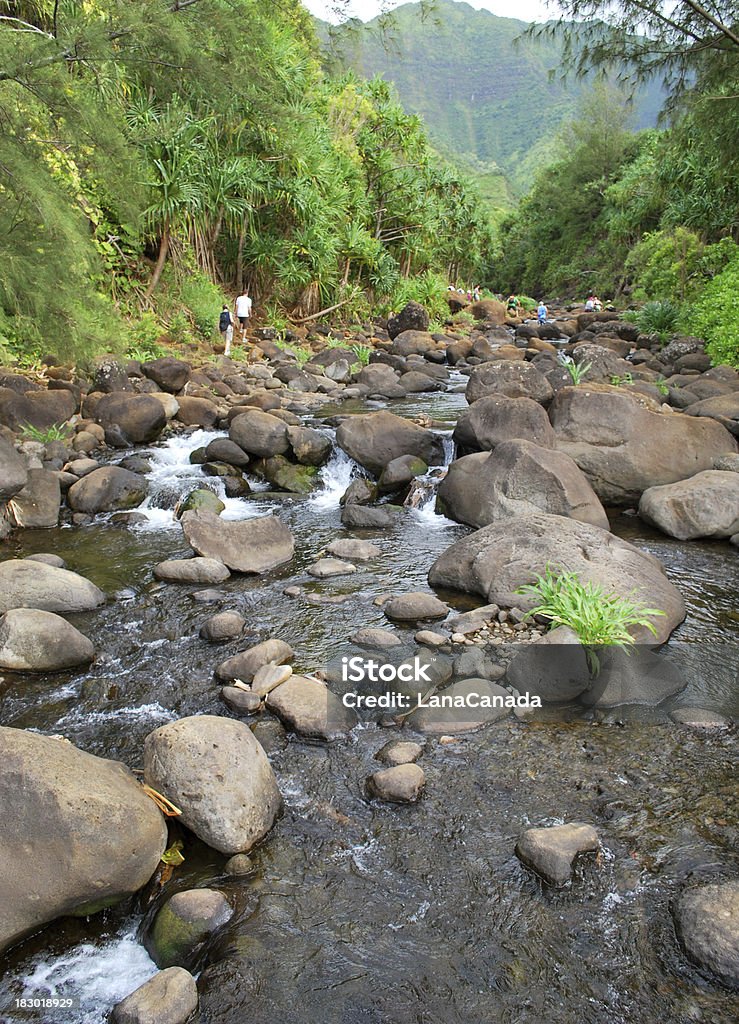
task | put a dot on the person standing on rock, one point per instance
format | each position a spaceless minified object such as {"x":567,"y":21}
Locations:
{"x":226,"y":327}
{"x":243,"y":311}
{"x":542,"y":313}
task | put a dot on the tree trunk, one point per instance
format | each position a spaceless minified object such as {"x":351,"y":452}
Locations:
{"x":161,"y":260}
{"x":240,"y":260}
{"x":345,"y":278}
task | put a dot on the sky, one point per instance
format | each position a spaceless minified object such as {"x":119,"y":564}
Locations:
{"x":524,"y":10}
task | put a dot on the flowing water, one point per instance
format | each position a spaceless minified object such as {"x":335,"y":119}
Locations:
{"x":361,"y":913}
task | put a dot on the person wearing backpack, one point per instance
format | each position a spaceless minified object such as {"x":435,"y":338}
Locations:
{"x":226,"y":327}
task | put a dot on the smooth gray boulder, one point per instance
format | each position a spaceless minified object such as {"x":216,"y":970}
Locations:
{"x":222,"y":626}
{"x":246,"y":664}
{"x":354,"y":550}
{"x":554,"y":668}
{"x":106,"y":490}
{"x":635,"y":675}
{"x":704,"y":505}
{"x":183,"y":923}
{"x":311,"y":709}
{"x":36,"y":641}
{"x":13,"y":472}
{"x":36,"y":506}
{"x":509,"y":379}
{"x":497,"y":560}
{"x":191,"y":570}
{"x":517,"y":478}
{"x":248,"y":545}
{"x":30,"y":584}
{"x":707,"y":924}
{"x":375,"y":439}
{"x":217,"y":773}
{"x":170,"y":997}
{"x":326,"y":568}
{"x":415,"y":607}
{"x":497,"y":418}
{"x":551,"y":852}
{"x":259,"y":433}
{"x":55,"y":857}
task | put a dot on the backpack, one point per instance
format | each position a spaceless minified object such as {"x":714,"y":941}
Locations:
{"x":224,"y":321}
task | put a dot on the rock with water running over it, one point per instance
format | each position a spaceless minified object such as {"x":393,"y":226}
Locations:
{"x":26,"y":583}
{"x":170,"y":997}
{"x":249,"y":545}
{"x":246,"y":664}
{"x":216,"y":772}
{"x":311,"y":709}
{"x":707,"y":924}
{"x":183,"y":923}
{"x":36,"y":641}
{"x":55,"y":858}
{"x":106,"y":490}
{"x":310,"y":447}
{"x":551,"y":852}
{"x":354,"y":550}
{"x":375,"y":439}
{"x":325,"y":568}
{"x":450,"y":713}
{"x":223,"y":626}
{"x":191,"y":570}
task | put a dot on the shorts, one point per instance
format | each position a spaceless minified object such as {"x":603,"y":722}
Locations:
{"x":243,"y":320}
{"x":228,"y":334}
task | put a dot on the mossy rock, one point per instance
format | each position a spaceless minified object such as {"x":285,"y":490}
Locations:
{"x":287,"y":475}
{"x":202,"y":500}
{"x":183,"y":923}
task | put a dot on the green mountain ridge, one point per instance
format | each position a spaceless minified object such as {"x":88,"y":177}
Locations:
{"x":484,"y":97}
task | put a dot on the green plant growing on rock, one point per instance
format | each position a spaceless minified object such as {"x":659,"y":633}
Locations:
{"x":599,"y":618}
{"x":662,"y":386}
{"x":363,"y":353}
{"x":577,"y":371}
{"x":56,"y":432}
{"x":659,"y":317}
{"x":620,"y":379}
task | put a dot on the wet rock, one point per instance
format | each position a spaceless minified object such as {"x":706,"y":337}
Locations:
{"x":223,"y":626}
{"x":397,"y":752}
{"x":490,"y":421}
{"x":400,"y":472}
{"x":517,"y":478}
{"x":473,"y":621}
{"x":197,"y":412}
{"x":259,"y":433}
{"x":249,"y":546}
{"x":216,"y":772}
{"x":699,"y":718}
{"x":106,"y":490}
{"x":268,"y":677}
{"x":551,"y":852}
{"x":370,"y":636}
{"x":202,"y":499}
{"x":287,"y":476}
{"x":375,"y":439}
{"x":707,"y":923}
{"x":240,"y":864}
{"x":354,"y":550}
{"x":325,"y":568}
{"x":223,"y":450}
{"x":170,"y":997}
{"x":705,"y":505}
{"x":497,"y":560}
{"x":48,"y":559}
{"x":183,"y":923}
{"x":36,"y":641}
{"x":510,"y":380}
{"x":431,"y":639}
{"x":36,"y":506}
{"x":167,"y":373}
{"x":311,"y":709}
{"x":359,"y":492}
{"x":54,"y":798}
{"x":456,"y":716}
{"x":401,"y":784}
{"x":634,"y":676}
{"x":243,"y":702}
{"x":473,"y":663}
{"x":27,"y":583}
{"x":13,"y":471}
{"x":191,"y":570}
{"x":310,"y":447}
{"x":271,"y":734}
{"x":415,"y":607}
{"x":129,"y":419}
{"x":360,"y":517}
{"x":554,"y":667}
{"x":245,"y":665}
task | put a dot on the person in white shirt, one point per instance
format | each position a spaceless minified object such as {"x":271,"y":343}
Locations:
{"x":243,"y":311}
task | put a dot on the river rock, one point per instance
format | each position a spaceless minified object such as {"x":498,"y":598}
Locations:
{"x":310,"y":447}
{"x":13,"y":472}
{"x":704,"y":505}
{"x":700,"y":718}
{"x":287,"y":476}
{"x":354,"y":550}
{"x":412,"y":317}
{"x":268,"y":677}
{"x":400,"y":472}
{"x":239,"y":864}
{"x":241,"y":702}
{"x":259,"y":433}
{"x":197,"y":412}
{"x":359,"y":492}
{"x":495,"y":419}
{"x":624,"y":448}
{"x":249,"y":545}
{"x":170,"y":997}
{"x":54,"y":798}
{"x":381,"y":379}
{"x":509,"y":379}
{"x":26,"y":583}
{"x":224,"y":450}
{"x":216,"y":772}
{"x":360,"y":517}
{"x":191,"y":570}
{"x":36,"y":506}
{"x":245,"y":665}
{"x":41,"y":409}
{"x":202,"y":499}
{"x":36,"y":641}
{"x":311,"y":709}
{"x":106,"y":490}
{"x":370,"y":636}
{"x":491,"y":310}
{"x":168,"y":373}
{"x":48,"y":559}
{"x":183,"y":923}
{"x":223,"y":626}
{"x":109,"y":374}
{"x":497,"y":560}
{"x":518,"y":478}
{"x":415,"y":607}
{"x":168,"y":402}
{"x":439,"y":721}
{"x":551,"y":852}
{"x":707,"y":924}
{"x":401,"y":784}
{"x":375,"y":439}
{"x":636,"y":676}
{"x":397,"y":752}
{"x":722,"y":408}
{"x":325,"y":568}
{"x":553,"y":668}
{"x":130,"y":419}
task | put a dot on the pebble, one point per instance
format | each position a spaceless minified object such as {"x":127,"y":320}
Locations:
{"x":430,"y":638}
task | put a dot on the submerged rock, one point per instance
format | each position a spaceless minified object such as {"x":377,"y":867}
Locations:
{"x":707,"y":923}
{"x":551,"y":852}
{"x":354,"y":550}
{"x":249,"y":545}
{"x":223,"y":626}
{"x":191,"y":570}
{"x":325,"y":568}
{"x":399,"y":752}
{"x":170,"y":997}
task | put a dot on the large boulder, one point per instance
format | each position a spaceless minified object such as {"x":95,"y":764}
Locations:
{"x":13,"y":472}
{"x":412,"y":317}
{"x":29,"y":584}
{"x":310,"y":447}
{"x":167,"y":373}
{"x":36,"y":506}
{"x":109,"y":373}
{"x":259,"y":433}
{"x":170,"y":997}
{"x":248,"y":545}
{"x":495,"y":419}
{"x":704,"y":505}
{"x":79,"y":833}
{"x":41,"y":409}
{"x":723,"y":408}
{"x":623,"y":447}
{"x":517,"y":478}
{"x":491,"y":310}
{"x":36,"y":641}
{"x":377,"y":438}
{"x":497,"y":560}
{"x":106,"y":490}
{"x":197,"y":412}
{"x":311,"y":709}
{"x":707,"y":924}
{"x":217,"y":773}
{"x":511,"y":379}
{"x":416,"y":343}
{"x":130,"y":419}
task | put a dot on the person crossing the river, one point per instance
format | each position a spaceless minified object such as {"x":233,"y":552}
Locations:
{"x":243,"y":311}
{"x":542,"y":313}
{"x":513,"y":305}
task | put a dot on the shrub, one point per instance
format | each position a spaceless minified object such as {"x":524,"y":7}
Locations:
{"x":363,"y":353}
{"x":429,"y":289}
{"x":204,"y":301}
{"x":658,"y":317}
{"x":56,"y":432}
{"x":715,"y":316}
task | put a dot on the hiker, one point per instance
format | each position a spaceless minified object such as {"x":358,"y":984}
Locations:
{"x":476,"y":293}
{"x":243,"y":311}
{"x":512,"y":305}
{"x":542,"y":312}
{"x":226,"y":327}
{"x":597,"y":304}
{"x":590,"y":304}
